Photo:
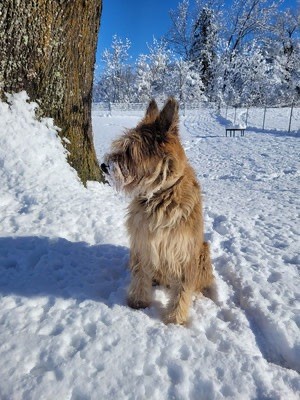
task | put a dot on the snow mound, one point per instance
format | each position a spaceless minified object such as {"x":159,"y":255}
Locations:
{"x":30,"y":150}
{"x":41,"y":193}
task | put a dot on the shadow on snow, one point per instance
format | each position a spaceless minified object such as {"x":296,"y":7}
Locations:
{"x":40,"y":266}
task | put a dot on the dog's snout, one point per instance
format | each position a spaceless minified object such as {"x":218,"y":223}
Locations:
{"x":104,"y":168}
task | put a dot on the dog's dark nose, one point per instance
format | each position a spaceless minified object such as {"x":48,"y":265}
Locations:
{"x":104,"y":168}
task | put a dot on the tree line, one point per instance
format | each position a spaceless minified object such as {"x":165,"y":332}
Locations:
{"x":242,"y":56}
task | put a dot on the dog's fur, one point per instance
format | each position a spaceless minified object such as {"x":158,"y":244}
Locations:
{"x":165,"y":220}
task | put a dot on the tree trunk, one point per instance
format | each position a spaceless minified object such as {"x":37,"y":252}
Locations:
{"x":47,"y":47}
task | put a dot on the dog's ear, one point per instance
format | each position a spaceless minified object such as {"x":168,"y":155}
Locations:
{"x":168,"y":115}
{"x":152,"y":112}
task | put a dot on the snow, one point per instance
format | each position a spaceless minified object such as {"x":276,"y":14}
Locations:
{"x":65,"y":329}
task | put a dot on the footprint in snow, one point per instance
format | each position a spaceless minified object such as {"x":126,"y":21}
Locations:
{"x":220,"y":225}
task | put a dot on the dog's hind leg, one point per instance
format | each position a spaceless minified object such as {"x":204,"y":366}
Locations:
{"x":140,"y":289}
{"x":206,"y":281}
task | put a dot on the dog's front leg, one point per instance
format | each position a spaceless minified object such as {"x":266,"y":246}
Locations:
{"x":177,"y":311}
{"x":140,"y":289}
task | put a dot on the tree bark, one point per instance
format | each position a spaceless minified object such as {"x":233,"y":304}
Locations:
{"x":47,"y":47}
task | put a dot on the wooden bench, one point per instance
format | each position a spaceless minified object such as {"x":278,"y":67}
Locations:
{"x":232,"y":131}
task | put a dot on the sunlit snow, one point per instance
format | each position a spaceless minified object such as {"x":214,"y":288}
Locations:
{"x":65,"y":329}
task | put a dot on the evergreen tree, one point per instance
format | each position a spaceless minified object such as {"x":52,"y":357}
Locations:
{"x":203,"y":46}
{"x":194,"y":37}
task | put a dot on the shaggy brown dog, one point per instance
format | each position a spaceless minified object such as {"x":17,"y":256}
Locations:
{"x":165,"y":220}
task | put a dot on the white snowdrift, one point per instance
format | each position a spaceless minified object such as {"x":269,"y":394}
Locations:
{"x":42,"y":193}
{"x":65,"y":331}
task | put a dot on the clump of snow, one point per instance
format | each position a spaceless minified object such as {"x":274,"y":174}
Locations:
{"x":65,"y":329}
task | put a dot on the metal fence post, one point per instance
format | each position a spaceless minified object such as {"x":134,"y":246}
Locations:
{"x":291,"y":116}
{"x":265,"y":111}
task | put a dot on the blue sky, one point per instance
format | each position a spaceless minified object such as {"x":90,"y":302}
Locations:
{"x":139,"y":21}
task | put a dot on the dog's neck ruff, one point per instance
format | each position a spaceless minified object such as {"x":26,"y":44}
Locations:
{"x":163,"y":190}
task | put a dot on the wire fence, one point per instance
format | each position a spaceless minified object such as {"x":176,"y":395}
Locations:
{"x":258,"y":118}
{"x":264,"y":118}
{"x":116,"y":108}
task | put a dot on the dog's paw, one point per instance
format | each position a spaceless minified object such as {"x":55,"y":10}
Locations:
{"x":137,"y":304}
{"x":211,"y":292}
{"x":174,"y":318}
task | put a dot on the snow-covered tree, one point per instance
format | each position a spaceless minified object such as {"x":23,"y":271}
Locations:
{"x":194,"y":36}
{"x":159,"y":75}
{"x":160,"y":59}
{"x":179,"y":35}
{"x":250,"y":79}
{"x":284,"y":47}
{"x":143,"y":79}
{"x":187,"y":83}
{"x":153,"y":72}
{"x":116,"y":81}
{"x":247,"y":20}
{"x":204,"y":44}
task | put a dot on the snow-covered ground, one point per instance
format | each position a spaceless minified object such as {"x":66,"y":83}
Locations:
{"x":65,"y":330}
